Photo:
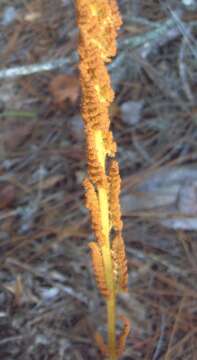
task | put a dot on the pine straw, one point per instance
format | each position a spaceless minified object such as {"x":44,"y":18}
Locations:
{"x":49,"y":305}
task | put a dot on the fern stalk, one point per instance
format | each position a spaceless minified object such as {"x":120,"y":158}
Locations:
{"x":98,"y":22}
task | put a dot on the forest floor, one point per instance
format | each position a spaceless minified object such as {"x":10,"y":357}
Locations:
{"x":49,"y":305}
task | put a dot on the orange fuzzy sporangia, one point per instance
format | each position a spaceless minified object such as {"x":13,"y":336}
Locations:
{"x":121,"y":341}
{"x":93,"y":205}
{"x":95,"y":170}
{"x":123,"y":336}
{"x":98,"y":266}
{"x":120,"y":260}
{"x":98,"y":22}
{"x":110,"y":144}
{"x":115,"y":13}
{"x":114,"y":193}
{"x":101,"y":344}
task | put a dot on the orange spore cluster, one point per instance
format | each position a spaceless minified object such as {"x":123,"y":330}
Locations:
{"x":98,"y":22}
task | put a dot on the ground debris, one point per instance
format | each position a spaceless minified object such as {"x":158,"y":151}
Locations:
{"x":49,"y":306}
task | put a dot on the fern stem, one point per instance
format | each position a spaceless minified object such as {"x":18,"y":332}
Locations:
{"x":111,"y":315}
{"x":106,"y":251}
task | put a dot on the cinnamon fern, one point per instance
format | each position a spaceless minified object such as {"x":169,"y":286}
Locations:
{"x":98,"y":22}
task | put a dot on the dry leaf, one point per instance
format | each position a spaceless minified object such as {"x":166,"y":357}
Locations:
{"x":51,"y":182}
{"x":16,"y":289}
{"x":64,"y":87}
{"x":7,"y":195}
{"x":169,"y":190}
{"x":17,"y":135}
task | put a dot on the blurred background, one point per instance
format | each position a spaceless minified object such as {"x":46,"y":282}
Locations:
{"x":49,"y":304}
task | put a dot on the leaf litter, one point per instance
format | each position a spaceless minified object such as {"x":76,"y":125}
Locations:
{"x":49,"y":306}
